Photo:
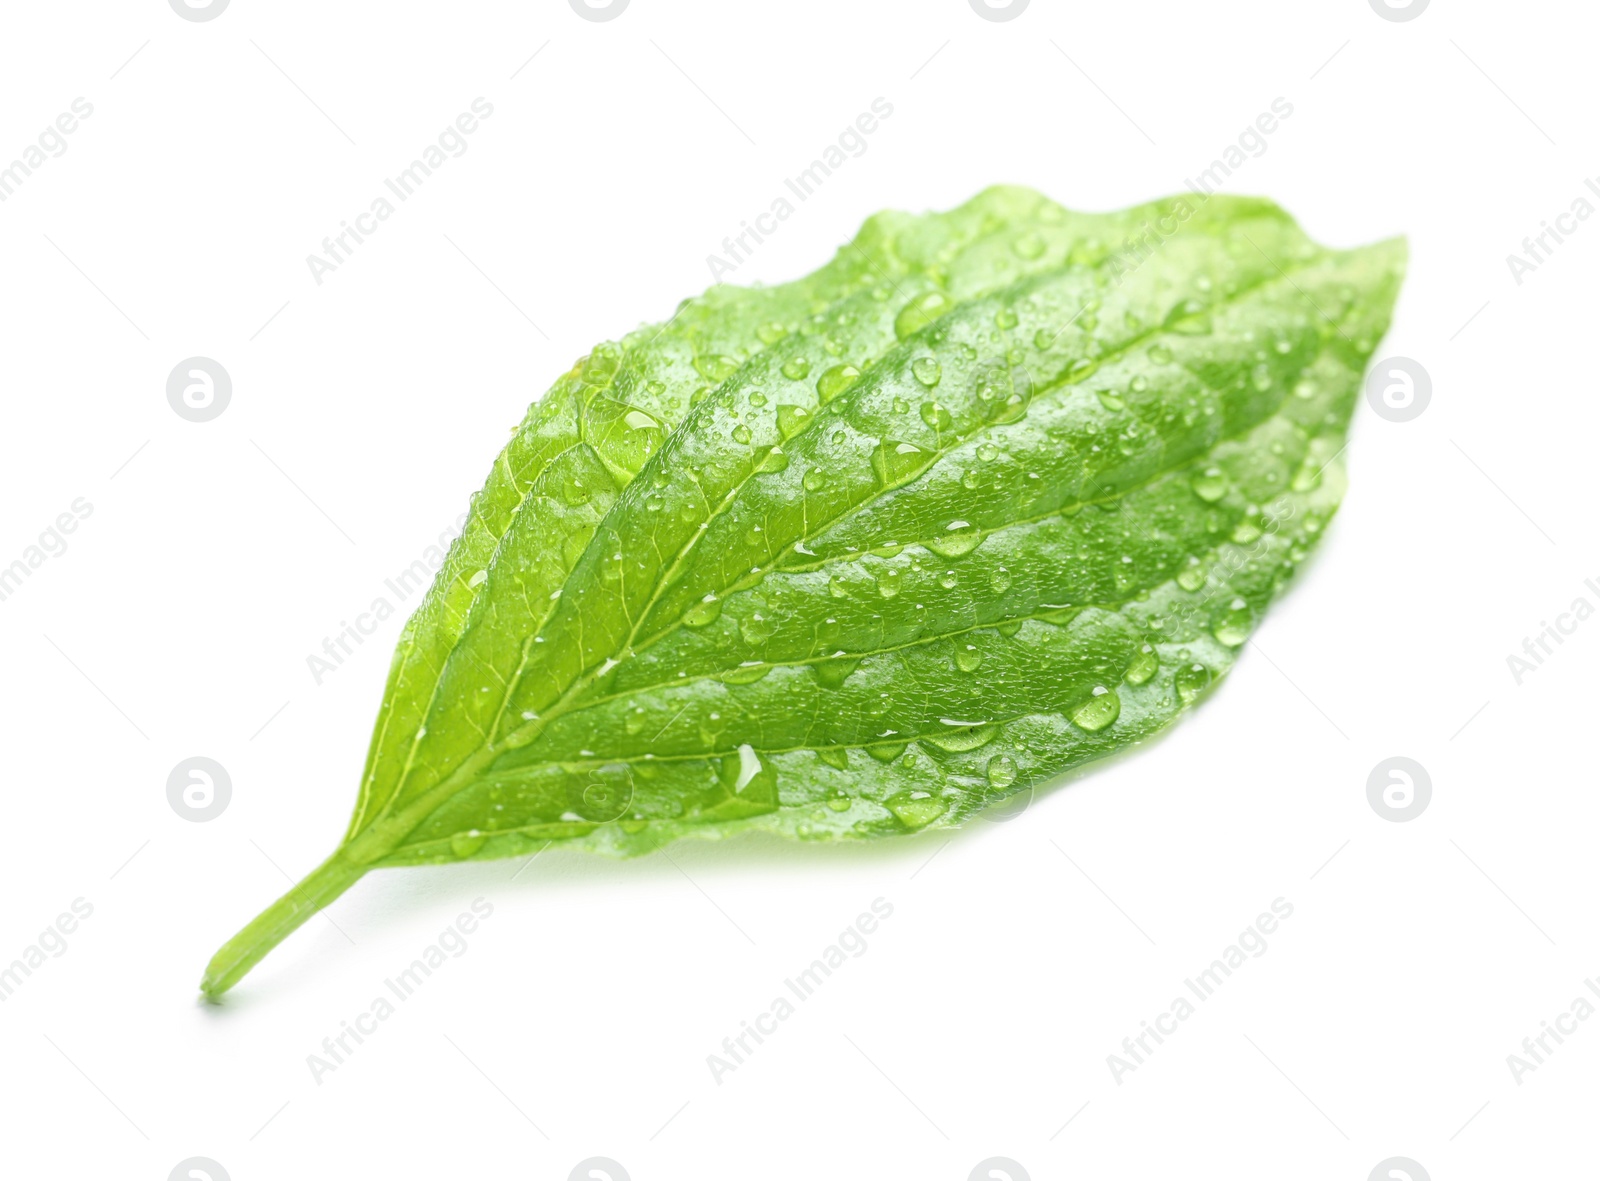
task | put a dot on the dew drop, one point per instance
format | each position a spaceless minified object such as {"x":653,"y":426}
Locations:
{"x":968,"y":737}
{"x":703,"y":613}
{"x":927,"y":371}
{"x":835,"y":756}
{"x":920,"y":312}
{"x":1210,"y":485}
{"x":465,"y":844}
{"x":915,"y":809}
{"x":1193,"y":575}
{"x":1081,"y":369}
{"x":795,"y":368}
{"x":1030,"y":245}
{"x":1191,"y":681}
{"x":756,"y":628}
{"x":896,"y":462}
{"x":574,"y":493}
{"x":1144,"y":665}
{"x":1099,"y":711}
{"x":1001,"y":772}
{"x":1246,"y":531}
{"x":959,"y":538}
{"x":831,"y":674}
{"x":792,"y":420}
{"x":715,"y":367}
{"x":1233,"y":627}
{"x":748,"y":672}
{"x":835,"y":381}
{"x":937,"y":417}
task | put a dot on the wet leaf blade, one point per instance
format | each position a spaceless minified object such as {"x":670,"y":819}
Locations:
{"x":995,"y":494}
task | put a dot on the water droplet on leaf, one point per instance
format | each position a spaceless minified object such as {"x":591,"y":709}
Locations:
{"x":1099,"y":711}
{"x":926,"y":370}
{"x":920,"y":312}
{"x":715,"y":367}
{"x":1233,"y":628}
{"x":1191,"y":681}
{"x":964,"y":739}
{"x":897,"y":462}
{"x":915,"y":809}
{"x":792,"y":420}
{"x":1210,"y":485}
{"x":1144,"y":665}
{"x":958,"y":538}
{"x":703,"y":613}
{"x":1001,"y":772}
{"x":835,"y":381}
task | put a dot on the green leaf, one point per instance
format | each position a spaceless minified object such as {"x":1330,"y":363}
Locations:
{"x":993,"y":494}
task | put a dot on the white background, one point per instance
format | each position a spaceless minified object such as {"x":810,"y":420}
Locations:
{"x":367,"y":409}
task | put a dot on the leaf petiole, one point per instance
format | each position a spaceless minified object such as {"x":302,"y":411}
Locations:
{"x":275,"y":924}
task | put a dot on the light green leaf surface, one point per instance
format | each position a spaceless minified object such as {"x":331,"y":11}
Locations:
{"x":994,"y":493}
